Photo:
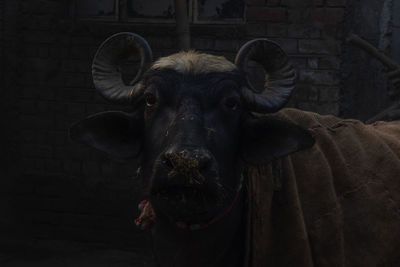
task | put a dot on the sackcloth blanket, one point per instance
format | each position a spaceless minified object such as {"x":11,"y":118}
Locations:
{"x":335,"y":204}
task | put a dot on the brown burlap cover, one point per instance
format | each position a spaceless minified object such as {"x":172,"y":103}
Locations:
{"x":336,"y":204}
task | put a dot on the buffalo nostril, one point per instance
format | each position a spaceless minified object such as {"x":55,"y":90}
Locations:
{"x":184,"y":161}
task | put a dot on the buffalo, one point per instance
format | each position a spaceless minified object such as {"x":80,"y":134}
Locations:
{"x":232,"y":178}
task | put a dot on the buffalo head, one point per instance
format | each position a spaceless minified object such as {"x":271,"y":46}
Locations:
{"x":193,"y":124}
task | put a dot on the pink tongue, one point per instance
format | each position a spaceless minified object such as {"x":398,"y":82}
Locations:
{"x":147,"y":217}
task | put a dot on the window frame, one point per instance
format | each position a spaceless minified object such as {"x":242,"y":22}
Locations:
{"x":153,"y":20}
{"x":122,"y":5}
{"x":114,"y":18}
{"x":196,"y":20}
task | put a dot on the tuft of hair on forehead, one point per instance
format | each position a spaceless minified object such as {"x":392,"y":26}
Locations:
{"x":194,"y":62}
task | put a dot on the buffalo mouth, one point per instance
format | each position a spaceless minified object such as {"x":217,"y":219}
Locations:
{"x":190,"y":194}
{"x":189,"y":204}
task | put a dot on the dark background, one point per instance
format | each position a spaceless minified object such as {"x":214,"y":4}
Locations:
{"x":60,"y":201}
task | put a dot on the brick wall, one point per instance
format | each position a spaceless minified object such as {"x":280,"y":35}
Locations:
{"x":364,"y":81}
{"x":396,"y":31}
{"x":311,"y":32}
{"x":2,"y":209}
{"x":1,"y":39}
{"x":63,"y":190}
{"x":9,"y":102}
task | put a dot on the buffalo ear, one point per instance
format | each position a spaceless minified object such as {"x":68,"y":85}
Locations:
{"x":116,"y":133}
{"x":267,"y":138}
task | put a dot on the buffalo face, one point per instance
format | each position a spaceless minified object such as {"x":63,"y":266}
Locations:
{"x":191,"y":142}
{"x":192,"y":123}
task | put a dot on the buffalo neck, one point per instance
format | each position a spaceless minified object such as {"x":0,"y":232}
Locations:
{"x":220,"y":244}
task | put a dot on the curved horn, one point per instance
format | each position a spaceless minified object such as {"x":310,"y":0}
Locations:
{"x":279,"y":79}
{"x":106,"y":75}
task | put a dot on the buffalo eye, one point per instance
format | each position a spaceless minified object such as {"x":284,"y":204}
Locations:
{"x":150,"y":99}
{"x":232,"y":103}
